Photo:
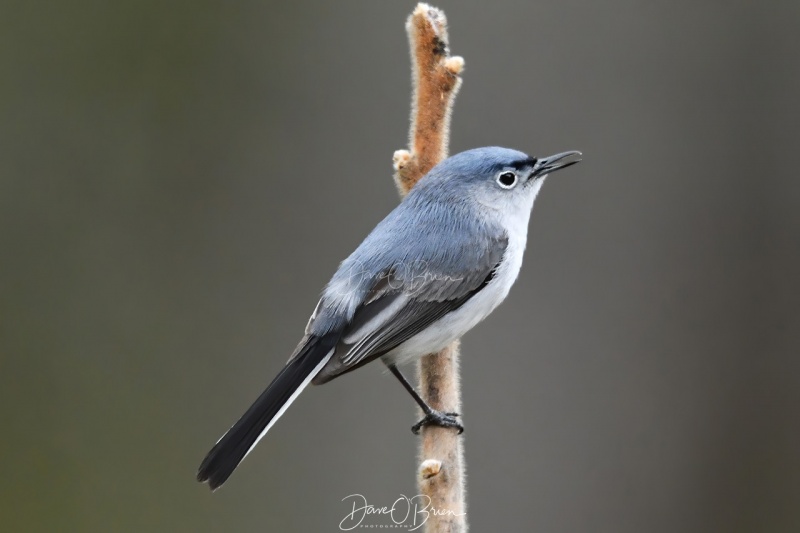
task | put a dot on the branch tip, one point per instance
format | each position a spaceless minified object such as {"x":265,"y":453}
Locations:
{"x":433,"y":15}
{"x":430,"y":468}
{"x":400,"y":159}
{"x":436,"y":83}
{"x":454,"y":65}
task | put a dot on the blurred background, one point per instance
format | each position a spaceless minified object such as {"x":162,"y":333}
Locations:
{"x":178,"y":181}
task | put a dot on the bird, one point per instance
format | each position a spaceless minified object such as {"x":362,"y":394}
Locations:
{"x":436,"y":266}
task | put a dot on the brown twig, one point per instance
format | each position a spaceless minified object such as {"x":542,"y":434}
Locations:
{"x":436,"y":82}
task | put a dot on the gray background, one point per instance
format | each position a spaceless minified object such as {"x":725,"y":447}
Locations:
{"x":178,"y":181}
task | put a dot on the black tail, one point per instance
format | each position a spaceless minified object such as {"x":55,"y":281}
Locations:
{"x":229,"y":451}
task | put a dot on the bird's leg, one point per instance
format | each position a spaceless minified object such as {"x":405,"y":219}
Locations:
{"x":432,"y":416}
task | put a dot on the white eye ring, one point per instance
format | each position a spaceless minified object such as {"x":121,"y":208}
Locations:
{"x":507,"y":179}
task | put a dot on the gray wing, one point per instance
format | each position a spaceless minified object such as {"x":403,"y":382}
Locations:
{"x":402,"y":301}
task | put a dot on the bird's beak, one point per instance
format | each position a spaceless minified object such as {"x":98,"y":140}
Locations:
{"x":546,"y":165}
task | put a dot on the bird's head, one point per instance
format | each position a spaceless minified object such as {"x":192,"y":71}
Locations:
{"x":498,"y":178}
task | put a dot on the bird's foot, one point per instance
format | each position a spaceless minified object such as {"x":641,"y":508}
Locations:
{"x":438,"y":418}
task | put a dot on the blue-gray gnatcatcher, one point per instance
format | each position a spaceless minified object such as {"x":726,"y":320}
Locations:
{"x":437,"y":265}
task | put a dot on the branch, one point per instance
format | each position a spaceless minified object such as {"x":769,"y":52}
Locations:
{"x":436,"y":82}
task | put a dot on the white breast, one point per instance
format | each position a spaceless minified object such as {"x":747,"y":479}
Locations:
{"x":454,"y":325}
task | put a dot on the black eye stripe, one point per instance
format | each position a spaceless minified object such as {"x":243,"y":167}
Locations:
{"x":522,"y":164}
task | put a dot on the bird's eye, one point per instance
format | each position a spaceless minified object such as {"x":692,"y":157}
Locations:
{"x":507,"y":180}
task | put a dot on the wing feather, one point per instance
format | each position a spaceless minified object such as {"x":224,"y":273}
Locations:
{"x":403,"y":301}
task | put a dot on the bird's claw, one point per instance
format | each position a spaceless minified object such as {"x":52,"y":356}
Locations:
{"x":438,"y":418}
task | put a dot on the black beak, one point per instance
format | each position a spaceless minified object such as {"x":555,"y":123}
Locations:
{"x":546,"y":165}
